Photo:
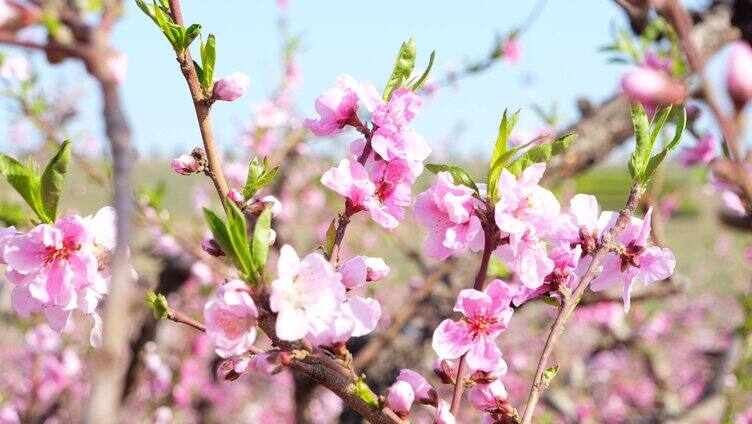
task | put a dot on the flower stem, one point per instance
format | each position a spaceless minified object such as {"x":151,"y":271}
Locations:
{"x":480,"y":280}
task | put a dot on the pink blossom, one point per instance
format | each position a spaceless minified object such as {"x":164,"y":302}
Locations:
{"x":395,"y":138}
{"x":524,"y":204}
{"x":15,"y":70}
{"x":448,"y":210}
{"x":231,"y":87}
{"x":338,"y":106}
{"x":657,"y":62}
{"x":486,"y":315}
{"x":424,"y":392}
{"x":527,"y":257}
{"x":231,"y":318}
{"x":306,"y":295}
{"x":55,"y":269}
{"x":733,"y":202}
{"x":702,"y":153}
{"x":512,"y":50}
{"x":211,"y":247}
{"x":739,"y":74}
{"x":359,"y":270}
{"x":636,"y":261}
{"x":236,"y":196}
{"x":652,"y":88}
{"x":443,"y":414}
{"x":355,"y":317}
{"x":399,"y":397}
{"x":565,"y":261}
{"x":186,"y":165}
{"x":118,"y":66}
{"x":486,"y":397}
{"x":582,"y":225}
{"x":384,"y":198}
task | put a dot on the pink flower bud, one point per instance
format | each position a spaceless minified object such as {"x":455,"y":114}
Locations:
{"x":231,"y":87}
{"x":399,"y":398}
{"x":186,"y":165}
{"x":443,"y":414}
{"x":423,"y":391}
{"x":652,"y":88}
{"x":118,"y":66}
{"x":235,"y":196}
{"x":739,"y":74}
{"x":486,"y":397}
{"x":376,"y":269}
{"x":211,"y":247}
{"x":512,"y":51}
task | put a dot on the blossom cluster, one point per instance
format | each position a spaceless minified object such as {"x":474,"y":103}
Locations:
{"x":386,"y":162}
{"x":59,"y":268}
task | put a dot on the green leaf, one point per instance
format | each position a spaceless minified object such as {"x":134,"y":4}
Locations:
{"x":422,"y":80}
{"x":157,"y":303}
{"x":361,"y":390}
{"x":639,"y":159}
{"x":403,"y":67}
{"x":331,"y":234}
{"x":53,"y":179}
{"x":260,"y":241}
{"x":191,"y":33}
{"x":208,"y":59}
{"x":25,"y":181}
{"x":259,"y":176}
{"x":549,"y":374}
{"x":199,"y":71}
{"x":237,"y":229}
{"x":220,"y":233}
{"x":541,"y":153}
{"x":459,"y":175}
{"x":13,"y":214}
{"x":501,"y":155}
{"x":655,"y":161}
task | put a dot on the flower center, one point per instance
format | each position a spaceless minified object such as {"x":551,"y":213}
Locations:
{"x":479,"y":325}
{"x":232,"y":325}
{"x":630,"y":256}
{"x":52,"y":254}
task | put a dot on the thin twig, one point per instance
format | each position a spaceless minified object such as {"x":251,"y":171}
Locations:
{"x":565,"y":310}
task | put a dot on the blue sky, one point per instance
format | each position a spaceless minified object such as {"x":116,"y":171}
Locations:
{"x":560,"y":62}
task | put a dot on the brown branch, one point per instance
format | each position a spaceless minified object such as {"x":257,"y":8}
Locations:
{"x":202,"y":105}
{"x":567,"y":307}
{"x":681,"y":21}
{"x":608,"y":125}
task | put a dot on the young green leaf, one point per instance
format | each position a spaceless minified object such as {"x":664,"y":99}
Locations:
{"x":655,"y":161}
{"x":220,"y":233}
{"x":237,"y":229}
{"x":403,"y":67}
{"x":208,"y":59}
{"x":422,"y":80}
{"x":331,"y":234}
{"x":549,"y":375}
{"x":541,"y":153}
{"x":501,"y":154}
{"x":361,"y":390}
{"x":260,"y":241}
{"x":191,"y":33}
{"x":639,"y":159}
{"x":53,"y":179}
{"x":157,"y":303}
{"x":459,"y":175}
{"x":26,"y":182}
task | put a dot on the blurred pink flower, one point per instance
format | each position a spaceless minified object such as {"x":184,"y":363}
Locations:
{"x":231,"y":318}
{"x":512,"y":50}
{"x":399,"y":397}
{"x":702,"y":153}
{"x":739,"y":74}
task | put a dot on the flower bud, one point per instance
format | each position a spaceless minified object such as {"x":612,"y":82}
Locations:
{"x":652,"y":88}
{"x":739,"y":74}
{"x":231,"y":87}
{"x":211,"y":247}
{"x":399,"y":397}
{"x":486,"y":397}
{"x":445,"y":370}
{"x":376,"y":269}
{"x":443,"y":414}
{"x":189,"y":164}
{"x":235,"y":196}
{"x":423,"y":391}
